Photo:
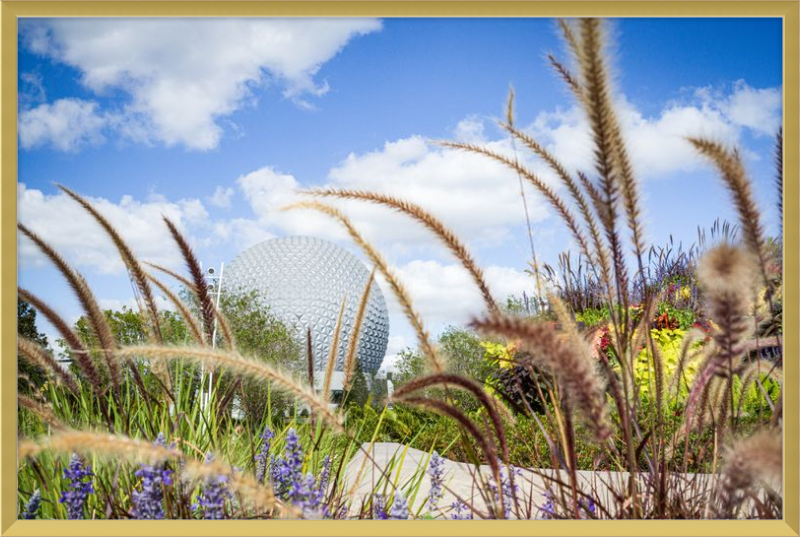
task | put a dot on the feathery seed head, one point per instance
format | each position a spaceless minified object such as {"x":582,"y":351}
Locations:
{"x":727,"y":268}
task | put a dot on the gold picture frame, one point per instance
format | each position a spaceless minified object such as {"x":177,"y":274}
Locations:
{"x":11,"y":10}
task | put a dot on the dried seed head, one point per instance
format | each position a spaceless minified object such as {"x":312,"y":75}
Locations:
{"x":758,"y":458}
{"x":727,"y":269}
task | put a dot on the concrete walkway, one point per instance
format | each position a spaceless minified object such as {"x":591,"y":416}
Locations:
{"x":407,"y":467}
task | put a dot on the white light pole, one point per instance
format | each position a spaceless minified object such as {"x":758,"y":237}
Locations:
{"x":216,"y":287}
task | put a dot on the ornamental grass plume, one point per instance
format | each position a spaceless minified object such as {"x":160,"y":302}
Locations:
{"x":571,"y":368}
{"x":727,"y":275}
{"x":756,"y":460}
{"x":148,"y":503}
{"x":80,"y":485}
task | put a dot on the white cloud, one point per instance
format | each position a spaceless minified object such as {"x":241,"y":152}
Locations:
{"x":657,"y":145}
{"x":476,"y":197}
{"x":184,"y":75}
{"x":75,"y":234}
{"x":268,"y":191}
{"x":757,"y":109}
{"x":221,"y":197}
{"x":67,"y":125}
{"x":32,"y":89}
{"x":242,"y":232}
{"x":446,"y":294}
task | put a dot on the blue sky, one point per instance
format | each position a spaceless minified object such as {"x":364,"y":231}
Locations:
{"x":218,"y":122}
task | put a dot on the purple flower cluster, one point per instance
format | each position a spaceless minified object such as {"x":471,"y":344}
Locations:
{"x":436,"y":473}
{"x":304,"y":491}
{"x":588,"y":507}
{"x":399,"y":508}
{"x":261,"y":456}
{"x":212,"y":499}
{"x":287,"y":472}
{"x":548,"y":510}
{"x":460,"y":511}
{"x":32,"y":507}
{"x":379,"y":507}
{"x":509,"y":490}
{"x":78,"y":489}
{"x":148,"y":503}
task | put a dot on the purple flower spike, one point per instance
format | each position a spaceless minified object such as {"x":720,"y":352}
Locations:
{"x":462,"y":511}
{"x":325,"y":473}
{"x":261,"y":456}
{"x":589,"y":507}
{"x":78,"y":488}
{"x":379,"y":507}
{"x":287,"y":472}
{"x":399,"y":508}
{"x":148,"y":503}
{"x":215,"y":492}
{"x":436,"y":473}
{"x":32,"y":507}
{"x":547,"y":510}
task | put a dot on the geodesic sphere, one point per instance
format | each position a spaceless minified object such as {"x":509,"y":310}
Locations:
{"x":303,"y":280}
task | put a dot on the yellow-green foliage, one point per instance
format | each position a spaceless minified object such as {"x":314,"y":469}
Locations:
{"x":498,"y":354}
{"x":669,"y":341}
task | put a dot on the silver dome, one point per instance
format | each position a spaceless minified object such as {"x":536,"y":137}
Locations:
{"x":304,"y":280}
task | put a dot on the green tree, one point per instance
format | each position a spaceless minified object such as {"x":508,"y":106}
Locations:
{"x":26,"y":327}
{"x":359,"y":393}
{"x":379,"y":389}
{"x":129,"y":327}
{"x":410,"y":364}
{"x":262,"y":336}
{"x":464,"y":354}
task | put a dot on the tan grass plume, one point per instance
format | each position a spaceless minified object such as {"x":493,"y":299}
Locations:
{"x":355,"y":336}
{"x":333,"y":352}
{"x":103,"y":444}
{"x":79,"y":352}
{"x":571,"y":368}
{"x":182,"y":308}
{"x":237,"y":363}
{"x":134,"y":267}
{"x":39,"y":356}
{"x":200,"y":286}
{"x":425,"y":218}
{"x":731,"y":168}
{"x":380,"y":263}
{"x":94,"y":314}
{"x":726,"y":274}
